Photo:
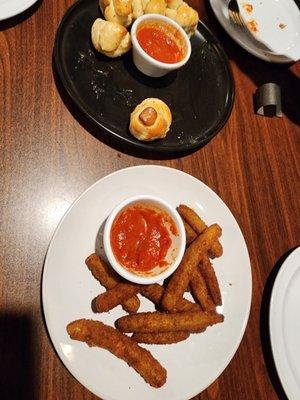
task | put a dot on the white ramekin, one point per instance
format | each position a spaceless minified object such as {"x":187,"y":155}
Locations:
{"x":144,"y":280}
{"x":145,"y":63}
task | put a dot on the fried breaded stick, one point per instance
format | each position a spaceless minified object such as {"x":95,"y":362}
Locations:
{"x":192,"y":218}
{"x":198,"y":225}
{"x":155,"y":293}
{"x":95,"y":333}
{"x":113,"y":297}
{"x":186,"y":305}
{"x":109,"y":279}
{"x":160,"y":338}
{"x":181,"y":277}
{"x":211,"y":280}
{"x":200,"y":291}
{"x":190,"y":321}
{"x":189,"y":233}
{"x":216,"y":250}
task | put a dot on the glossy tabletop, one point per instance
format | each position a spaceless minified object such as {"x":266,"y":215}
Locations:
{"x":49,"y":154}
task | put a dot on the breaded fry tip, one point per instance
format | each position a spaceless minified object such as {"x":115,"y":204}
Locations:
{"x":117,"y":295}
{"x":198,"y":225}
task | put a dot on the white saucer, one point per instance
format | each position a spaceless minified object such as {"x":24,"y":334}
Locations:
{"x":285,"y":324}
{"x":10,"y":8}
{"x":243,"y":37}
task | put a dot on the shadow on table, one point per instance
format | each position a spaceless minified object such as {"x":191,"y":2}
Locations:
{"x":108,"y":139}
{"x":17,"y":352}
{"x":260,"y":71}
{"x":264,"y":328}
{"x":13,"y":21}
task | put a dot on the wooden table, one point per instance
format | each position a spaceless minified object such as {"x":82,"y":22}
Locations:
{"x":49,"y":155}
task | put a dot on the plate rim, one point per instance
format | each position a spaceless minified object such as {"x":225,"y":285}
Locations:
{"x":45,"y":308}
{"x":130,"y":141}
{"x":17,"y":11}
{"x":256,"y":53}
{"x":292,"y":7}
{"x":283,"y":274}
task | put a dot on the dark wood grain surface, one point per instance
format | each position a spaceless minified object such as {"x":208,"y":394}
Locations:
{"x":49,"y":154}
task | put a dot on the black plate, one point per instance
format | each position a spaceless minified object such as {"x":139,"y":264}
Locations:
{"x":200,"y":95}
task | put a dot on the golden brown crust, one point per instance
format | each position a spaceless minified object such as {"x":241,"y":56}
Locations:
{"x":190,"y":321}
{"x":181,"y":277}
{"x":160,"y":338}
{"x":192,"y":218}
{"x":216,"y":250}
{"x":161,"y":126}
{"x":124,"y":12}
{"x":211,"y":280}
{"x":110,"y":38}
{"x":200,"y":291}
{"x":113,"y":297}
{"x":186,"y":305}
{"x":109,"y":279}
{"x":190,"y":234}
{"x":155,"y":293}
{"x":154,"y":6}
{"x":122,"y":7}
{"x":95,"y":333}
{"x":183,"y":14}
{"x":137,"y":9}
{"x":118,"y":11}
{"x":198,"y":225}
{"x":174,"y":4}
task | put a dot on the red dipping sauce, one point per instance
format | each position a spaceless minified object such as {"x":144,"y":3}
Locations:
{"x":161,"y":42}
{"x":140,"y":237}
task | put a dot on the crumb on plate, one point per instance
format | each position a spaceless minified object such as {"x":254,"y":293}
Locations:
{"x":282,"y":26}
{"x":252,"y":26}
{"x":248,"y":7}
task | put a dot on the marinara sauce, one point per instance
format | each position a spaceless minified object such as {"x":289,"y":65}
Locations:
{"x":159,"y":43}
{"x":140,"y":238}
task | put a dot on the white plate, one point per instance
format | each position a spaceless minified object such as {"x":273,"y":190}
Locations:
{"x":278,"y":25}
{"x":10,"y":8}
{"x":285,"y":324}
{"x":243,"y":37}
{"x":68,"y":288}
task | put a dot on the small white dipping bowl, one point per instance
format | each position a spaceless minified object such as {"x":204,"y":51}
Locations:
{"x":179,"y":245}
{"x":145,"y":63}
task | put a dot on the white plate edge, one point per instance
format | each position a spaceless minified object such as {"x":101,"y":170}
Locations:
{"x":259,"y":53}
{"x":274,"y":303}
{"x":16,"y":11}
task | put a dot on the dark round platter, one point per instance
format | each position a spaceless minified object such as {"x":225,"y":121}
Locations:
{"x":200,"y":95}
